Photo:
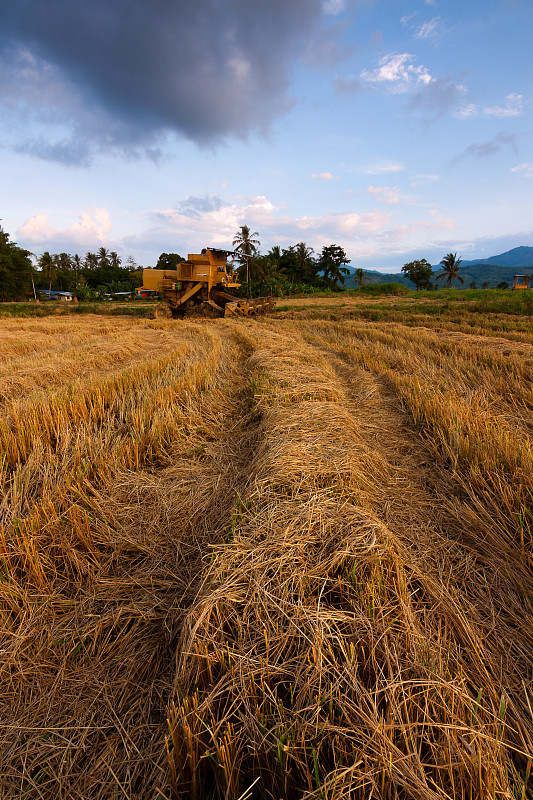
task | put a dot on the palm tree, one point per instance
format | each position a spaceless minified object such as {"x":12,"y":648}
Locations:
{"x":275,"y":253}
{"x":360,"y":277}
{"x":103,"y":256}
{"x":246,"y":246}
{"x":48,"y":268}
{"x":305,"y":264}
{"x":450,"y":265}
{"x":91,"y":260}
{"x":76,"y":267}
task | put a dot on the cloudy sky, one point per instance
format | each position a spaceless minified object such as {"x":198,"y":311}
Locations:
{"x":396,"y":128}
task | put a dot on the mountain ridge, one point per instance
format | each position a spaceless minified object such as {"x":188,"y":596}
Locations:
{"x":492,"y":270}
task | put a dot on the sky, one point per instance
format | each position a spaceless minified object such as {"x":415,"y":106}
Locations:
{"x":398,"y":129}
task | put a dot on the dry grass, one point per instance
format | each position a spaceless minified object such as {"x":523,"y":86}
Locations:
{"x":307,"y":542}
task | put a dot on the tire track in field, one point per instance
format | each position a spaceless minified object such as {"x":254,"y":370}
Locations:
{"x":95,"y":663}
{"x":498,"y":344}
{"x":427,"y":511}
{"x":271,"y":633}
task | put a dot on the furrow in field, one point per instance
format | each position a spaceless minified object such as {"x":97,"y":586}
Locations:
{"x":475,"y":409}
{"x":325,"y":653}
{"x":439,"y":528}
{"x":97,"y":578}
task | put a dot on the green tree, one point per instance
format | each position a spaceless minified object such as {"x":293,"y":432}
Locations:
{"x":485,"y":285}
{"x":419,"y":272}
{"x":331,"y":263}
{"x":65,"y":275}
{"x":299,"y":264}
{"x":275,"y":253}
{"x":103,"y":256}
{"x":450,"y":265}
{"x":473,"y":285}
{"x":91,"y":260}
{"x":77,"y":267}
{"x":47,"y":265}
{"x":360,"y":277}
{"x":246,"y":246}
{"x":503,"y":285}
{"x":168,"y":261}
{"x":16,"y":270}
{"x":266,"y":271}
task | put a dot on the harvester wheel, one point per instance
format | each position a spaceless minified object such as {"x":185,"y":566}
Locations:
{"x":162,"y":311}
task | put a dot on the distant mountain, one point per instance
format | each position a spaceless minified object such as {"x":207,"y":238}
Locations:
{"x":517,"y":257}
{"x":492,"y":270}
{"x":490,"y":273}
{"x":373,"y":276}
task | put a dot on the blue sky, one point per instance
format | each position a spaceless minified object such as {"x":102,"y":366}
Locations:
{"x":398,"y":129}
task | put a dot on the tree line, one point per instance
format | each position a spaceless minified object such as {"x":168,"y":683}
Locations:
{"x":280,"y":271}
{"x":88,"y":277}
{"x":287,"y":270}
{"x":290,"y":270}
{"x":421,"y":272}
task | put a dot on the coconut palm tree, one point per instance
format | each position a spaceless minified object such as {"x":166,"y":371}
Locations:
{"x":246,"y":246}
{"x":306,"y":266}
{"x":47,"y":266}
{"x":103,"y":256}
{"x":450,"y":265}
{"x":91,"y":260}
{"x":360,"y":277}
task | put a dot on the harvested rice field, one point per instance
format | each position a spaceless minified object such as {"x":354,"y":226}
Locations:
{"x":284,"y":558}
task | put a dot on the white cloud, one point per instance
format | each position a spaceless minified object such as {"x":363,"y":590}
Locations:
{"x":216,"y":225}
{"x":325,"y":176}
{"x":525,"y":169}
{"x":429,"y":30}
{"x":383,"y":167}
{"x":421,"y":180}
{"x":466,"y":112}
{"x":360,"y":232}
{"x":385,"y":194}
{"x":333,"y":7}
{"x":213,"y":221}
{"x":92,"y":228}
{"x":514,"y":107}
{"x":398,"y":73}
{"x":36,"y":229}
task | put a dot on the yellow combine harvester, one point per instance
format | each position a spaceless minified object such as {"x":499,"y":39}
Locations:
{"x":198,"y":287}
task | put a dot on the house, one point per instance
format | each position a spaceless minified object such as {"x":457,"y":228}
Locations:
{"x":62,"y":297}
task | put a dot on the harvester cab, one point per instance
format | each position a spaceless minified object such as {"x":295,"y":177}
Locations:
{"x":198,"y":287}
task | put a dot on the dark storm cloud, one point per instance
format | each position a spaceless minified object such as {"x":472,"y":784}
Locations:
{"x":70,"y":152}
{"x":123,"y":72}
{"x":438,"y":97}
{"x":487,"y":149}
{"x":196,"y":206}
{"x":347,"y":86}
